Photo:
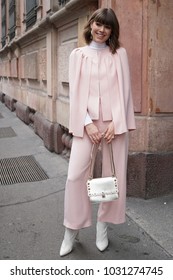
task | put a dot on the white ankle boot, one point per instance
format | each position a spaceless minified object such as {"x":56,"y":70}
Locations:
{"x":68,"y":242}
{"x":101,"y":236}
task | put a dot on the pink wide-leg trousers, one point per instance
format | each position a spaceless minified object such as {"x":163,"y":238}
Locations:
{"x":77,"y":207}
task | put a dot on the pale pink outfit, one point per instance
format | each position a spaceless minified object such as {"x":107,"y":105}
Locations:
{"x":99,"y":86}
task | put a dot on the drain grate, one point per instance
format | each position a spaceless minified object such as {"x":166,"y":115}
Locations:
{"x":6,"y":132}
{"x":1,"y":116}
{"x":20,"y":170}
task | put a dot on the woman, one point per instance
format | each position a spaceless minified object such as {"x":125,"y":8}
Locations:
{"x":100,"y":108}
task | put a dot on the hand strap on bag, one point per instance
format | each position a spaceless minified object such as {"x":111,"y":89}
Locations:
{"x":93,"y":158}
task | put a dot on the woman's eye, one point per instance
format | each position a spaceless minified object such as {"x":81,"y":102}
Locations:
{"x":98,"y":24}
{"x":107,"y":27}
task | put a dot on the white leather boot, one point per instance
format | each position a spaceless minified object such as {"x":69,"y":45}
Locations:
{"x":68,"y":242}
{"x":101,"y":236}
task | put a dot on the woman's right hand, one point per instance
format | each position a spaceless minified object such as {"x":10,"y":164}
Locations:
{"x":93,"y":133}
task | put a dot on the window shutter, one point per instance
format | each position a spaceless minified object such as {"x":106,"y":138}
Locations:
{"x":12,"y":19}
{"x":3,"y":14}
{"x":31,"y":13}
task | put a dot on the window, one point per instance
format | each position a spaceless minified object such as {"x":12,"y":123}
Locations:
{"x":12,"y":19}
{"x":3,"y":14}
{"x":31,"y":12}
{"x":63,"y":2}
{"x":11,"y":16}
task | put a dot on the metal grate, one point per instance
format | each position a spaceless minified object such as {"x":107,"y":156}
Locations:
{"x":1,"y":116}
{"x":6,"y":132}
{"x":20,"y":169}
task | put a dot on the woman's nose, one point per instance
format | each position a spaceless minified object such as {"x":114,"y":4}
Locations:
{"x":102,"y":28}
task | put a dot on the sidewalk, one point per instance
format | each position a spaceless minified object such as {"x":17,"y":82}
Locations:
{"x":31,"y":213}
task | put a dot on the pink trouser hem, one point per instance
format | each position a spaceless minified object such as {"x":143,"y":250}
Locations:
{"x":112,"y":222}
{"x":75,"y":227}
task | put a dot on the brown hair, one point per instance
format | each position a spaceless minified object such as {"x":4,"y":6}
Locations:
{"x":104,"y":16}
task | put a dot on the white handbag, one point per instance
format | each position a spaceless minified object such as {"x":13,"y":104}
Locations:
{"x":102,"y":189}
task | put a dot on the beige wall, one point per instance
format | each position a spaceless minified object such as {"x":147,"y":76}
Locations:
{"x":34,"y":65}
{"x":147,"y":34}
{"x":160,"y":57}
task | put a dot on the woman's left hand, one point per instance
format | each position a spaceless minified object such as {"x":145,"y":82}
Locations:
{"x":109,"y":133}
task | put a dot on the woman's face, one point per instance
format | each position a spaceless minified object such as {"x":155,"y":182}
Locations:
{"x":100,"y":32}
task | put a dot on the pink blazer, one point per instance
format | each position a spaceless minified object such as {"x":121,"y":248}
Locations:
{"x":119,"y":85}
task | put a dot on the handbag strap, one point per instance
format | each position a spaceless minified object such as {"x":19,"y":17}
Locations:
{"x":93,"y":158}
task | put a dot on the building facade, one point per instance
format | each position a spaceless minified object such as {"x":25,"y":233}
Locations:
{"x":37,"y":37}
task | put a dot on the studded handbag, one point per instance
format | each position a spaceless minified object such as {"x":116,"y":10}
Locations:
{"x":102,"y":189}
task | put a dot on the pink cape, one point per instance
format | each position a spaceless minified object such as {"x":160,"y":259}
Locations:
{"x":80,"y":65}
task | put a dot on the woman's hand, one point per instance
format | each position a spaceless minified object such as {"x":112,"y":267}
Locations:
{"x":109,"y":133}
{"x":93,"y":133}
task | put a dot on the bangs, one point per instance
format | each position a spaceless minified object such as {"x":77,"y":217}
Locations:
{"x":104,"y":18}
